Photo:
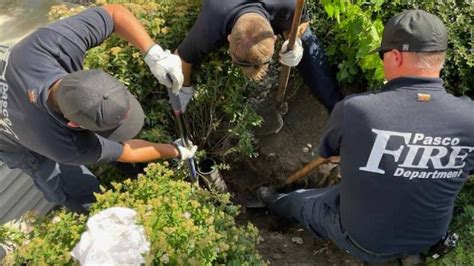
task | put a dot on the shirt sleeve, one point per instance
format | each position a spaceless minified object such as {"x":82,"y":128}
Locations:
{"x":331,"y":140}
{"x":110,"y":150}
{"x":94,"y":149}
{"x":86,"y":148}
{"x":85,"y":30}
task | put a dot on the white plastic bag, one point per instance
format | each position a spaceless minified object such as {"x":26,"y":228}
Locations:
{"x":112,"y":238}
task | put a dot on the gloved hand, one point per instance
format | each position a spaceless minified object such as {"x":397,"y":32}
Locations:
{"x":180,"y":101}
{"x":185,"y":153}
{"x":291,"y":58}
{"x":166,"y":67}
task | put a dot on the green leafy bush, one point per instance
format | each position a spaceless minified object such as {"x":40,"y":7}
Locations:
{"x":356,"y":34}
{"x":49,"y":240}
{"x":183,"y":223}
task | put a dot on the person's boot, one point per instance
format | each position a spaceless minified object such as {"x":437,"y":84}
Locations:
{"x":267,"y":195}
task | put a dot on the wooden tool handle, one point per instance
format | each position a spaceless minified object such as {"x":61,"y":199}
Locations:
{"x":285,"y":70}
{"x":306,"y":169}
{"x":295,"y":23}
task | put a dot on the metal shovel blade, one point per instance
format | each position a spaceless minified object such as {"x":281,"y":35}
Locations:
{"x":272,"y":119}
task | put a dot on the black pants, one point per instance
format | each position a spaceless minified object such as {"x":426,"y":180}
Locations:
{"x":314,"y":68}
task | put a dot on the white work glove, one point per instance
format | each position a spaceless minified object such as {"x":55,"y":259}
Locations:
{"x":185,"y":153}
{"x":291,"y":58}
{"x":180,"y":101}
{"x":166,"y":67}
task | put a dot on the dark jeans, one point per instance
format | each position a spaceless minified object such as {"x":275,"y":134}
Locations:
{"x":316,"y":73}
{"x":318,"y":211}
{"x":67,"y":185}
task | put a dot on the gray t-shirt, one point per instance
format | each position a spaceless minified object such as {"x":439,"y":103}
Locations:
{"x":217,"y":17}
{"x":34,"y":65}
{"x":405,"y":154}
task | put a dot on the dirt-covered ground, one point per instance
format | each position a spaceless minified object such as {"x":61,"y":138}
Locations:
{"x":283,"y":243}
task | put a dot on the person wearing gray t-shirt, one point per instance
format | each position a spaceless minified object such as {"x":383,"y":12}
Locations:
{"x":405,"y":153}
{"x":56,"y":117}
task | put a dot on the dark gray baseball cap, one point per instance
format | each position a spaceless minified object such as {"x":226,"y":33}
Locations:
{"x":99,"y":102}
{"x":414,"y":31}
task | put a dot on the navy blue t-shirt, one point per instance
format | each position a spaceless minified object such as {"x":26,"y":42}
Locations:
{"x":405,"y":154}
{"x":34,"y":65}
{"x":217,"y":17}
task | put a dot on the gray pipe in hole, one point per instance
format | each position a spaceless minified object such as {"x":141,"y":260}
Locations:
{"x":211,"y":175}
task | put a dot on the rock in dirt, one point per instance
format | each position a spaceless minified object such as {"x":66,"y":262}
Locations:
{"x":261,"y":239}
{"x":277,"y":256}
{"x":305,"y":149}
{"x":320,"y":250}
{"x":298,"y":240}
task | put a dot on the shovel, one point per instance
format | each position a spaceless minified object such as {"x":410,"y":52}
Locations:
{"x":314,"y":164}
{"x":272,"y":112}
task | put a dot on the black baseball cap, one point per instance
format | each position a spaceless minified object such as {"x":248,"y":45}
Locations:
{"x":414,"y":31}
{"x":99,"y":102}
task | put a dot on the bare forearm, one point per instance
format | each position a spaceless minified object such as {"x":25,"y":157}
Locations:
{"x":136,"y":150}
{"x":129,"y":28}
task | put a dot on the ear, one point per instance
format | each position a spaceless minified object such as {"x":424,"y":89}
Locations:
{"x":397,"y":57}
{"x":73,"y":124}
{"x":228,"y":38}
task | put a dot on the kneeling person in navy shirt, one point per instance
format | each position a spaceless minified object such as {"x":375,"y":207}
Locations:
{"x":405,"y":153}
{"x":57,"y":117}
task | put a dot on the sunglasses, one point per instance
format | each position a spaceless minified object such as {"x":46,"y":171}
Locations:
{"x":382,"y":52}
{"x":248,"y":64}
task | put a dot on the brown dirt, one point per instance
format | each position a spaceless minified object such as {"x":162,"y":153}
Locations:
{"x":281,"y":155}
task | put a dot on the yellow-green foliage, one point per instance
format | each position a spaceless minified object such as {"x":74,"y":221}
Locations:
{"x":184,"y":224}
{"x":49,"y":241}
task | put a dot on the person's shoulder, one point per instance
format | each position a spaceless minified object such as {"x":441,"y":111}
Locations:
{"x":462,"y":104}
{"x":464,"y":100}
{"x":358,"y":99}
{"x":89,"y":15}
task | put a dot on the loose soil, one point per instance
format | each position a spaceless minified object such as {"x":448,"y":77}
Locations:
{"x":280,"y":155}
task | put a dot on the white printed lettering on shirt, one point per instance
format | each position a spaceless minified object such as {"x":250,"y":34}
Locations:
{"x":420,"y":150}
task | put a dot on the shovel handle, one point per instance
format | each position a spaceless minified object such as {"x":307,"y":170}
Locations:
{"x":285,"y":70}
{"x":179,"y":122}
{"x":295,"y":23}
{"x":306,"y":169}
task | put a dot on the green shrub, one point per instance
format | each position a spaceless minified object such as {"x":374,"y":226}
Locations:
{"x":183,"y":223}
{"x":356,"y":34}
{"x":49,"y":240}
